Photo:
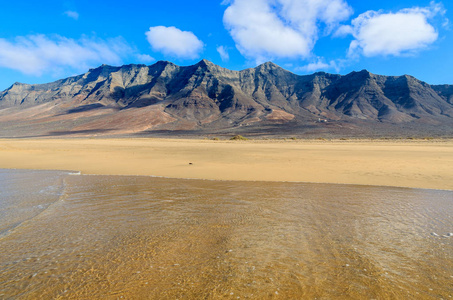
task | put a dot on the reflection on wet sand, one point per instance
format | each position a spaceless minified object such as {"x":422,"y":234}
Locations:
{"x":141,"y":237}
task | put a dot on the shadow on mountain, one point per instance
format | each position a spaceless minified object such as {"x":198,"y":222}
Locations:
{"x":167,"y":133}
{"x":74,"y":132}
{"x":85,"y":108}
{"x":142,"y":102}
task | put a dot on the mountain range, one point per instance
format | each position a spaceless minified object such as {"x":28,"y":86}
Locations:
{"x":205,"y":99}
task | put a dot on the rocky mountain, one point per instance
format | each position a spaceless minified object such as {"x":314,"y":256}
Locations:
{"x":204,"y":98}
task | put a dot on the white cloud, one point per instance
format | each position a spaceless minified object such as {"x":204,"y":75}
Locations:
{"x":320,"y":64}
{"x":314,"y":66}
{"x":145,"y":58}
{"x":38,"y":54}
{"x":174,"y":42}
{"x":223,"y":51}
{"x":401,"y":33}
{"x":72,"y":14}
{"x":265,"y":29}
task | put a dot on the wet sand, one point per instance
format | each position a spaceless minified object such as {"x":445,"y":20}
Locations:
{"x":403,"y":163}
{"x":127,"y":237}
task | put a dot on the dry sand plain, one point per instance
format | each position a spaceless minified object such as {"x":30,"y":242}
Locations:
{"x":404,"y":163}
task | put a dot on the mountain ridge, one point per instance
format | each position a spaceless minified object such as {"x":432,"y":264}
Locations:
{"x":207,"y":98}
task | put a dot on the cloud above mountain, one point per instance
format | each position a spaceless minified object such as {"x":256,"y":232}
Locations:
{"x":38,"y":54}
{"x":379,"y":33}
{"x":266,"y":29}
{"x":174,"y":42}
{"x":223,"y":52}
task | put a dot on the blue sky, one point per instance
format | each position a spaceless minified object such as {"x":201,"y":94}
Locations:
{"x":42,"y":41}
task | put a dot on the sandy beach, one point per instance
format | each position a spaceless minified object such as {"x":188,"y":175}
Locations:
{"x":403,"y":163}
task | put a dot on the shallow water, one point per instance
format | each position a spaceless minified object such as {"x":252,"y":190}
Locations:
{"x":113,"y":237}
{"x":24,"y":194}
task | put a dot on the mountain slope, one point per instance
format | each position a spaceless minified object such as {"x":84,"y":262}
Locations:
{"x":206,"y":98}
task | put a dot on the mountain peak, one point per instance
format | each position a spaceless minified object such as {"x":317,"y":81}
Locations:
{"x":163,"y":62}
{"x":205,"y":63}
{"x":101,"y":67}
{"x":15,"y":85}
{"x":269,"y":65}
{"x":363,"y":74}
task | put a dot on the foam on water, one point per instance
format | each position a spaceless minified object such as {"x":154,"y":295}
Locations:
{"x":156,"y":238}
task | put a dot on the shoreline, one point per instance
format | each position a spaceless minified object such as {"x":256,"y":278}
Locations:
{"x":421,"y":164}
{"x":78,"y":173}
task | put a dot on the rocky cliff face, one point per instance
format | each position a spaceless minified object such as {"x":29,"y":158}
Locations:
{"x":204,"y":96}
{"x":445,"y":90}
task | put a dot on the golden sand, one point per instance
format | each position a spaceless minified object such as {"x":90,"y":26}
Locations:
{"x":404,"y":163}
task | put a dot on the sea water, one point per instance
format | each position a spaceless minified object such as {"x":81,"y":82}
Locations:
{"x":120,"y":237}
